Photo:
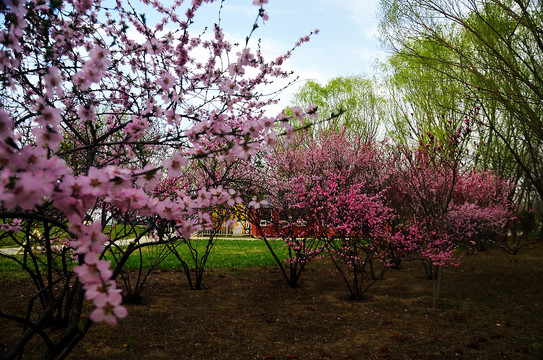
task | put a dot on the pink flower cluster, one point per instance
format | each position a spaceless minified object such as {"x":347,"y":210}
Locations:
{"x":15,"y":226}
{"x":93,"y":69}
{"x":445,"y":203}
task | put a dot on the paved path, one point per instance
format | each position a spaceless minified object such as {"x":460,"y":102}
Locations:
{"x":9,"y":251}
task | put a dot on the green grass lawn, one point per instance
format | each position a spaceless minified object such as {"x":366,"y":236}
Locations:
{"x":226,"y":253}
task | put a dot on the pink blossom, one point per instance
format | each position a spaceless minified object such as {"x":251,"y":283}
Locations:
{"x":15,"y":226}
{"x":245,"y":58}
{"x":94,"y":115}
{"x":53,"y":82}
{"x":90,"y":240}
{"x":256,"y":204}
{"x":86,"y":113}
{"x":236,"y":69}
{"x":175,"y":165}
{"x":48,"y":137}
{"x":132,"y":199}
{"x":228,"y":86}
{"x":108,"y":309}
{"x":93,"y":271}
{"x":167,"y":81}
{"x":31,"y":189}
{"x":50,"y":116}
{"x":97,"y":182}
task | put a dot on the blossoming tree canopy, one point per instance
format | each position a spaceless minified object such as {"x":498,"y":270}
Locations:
{"x":99,"y":104}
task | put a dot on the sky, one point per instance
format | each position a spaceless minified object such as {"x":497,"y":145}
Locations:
{"x":346,"y":45}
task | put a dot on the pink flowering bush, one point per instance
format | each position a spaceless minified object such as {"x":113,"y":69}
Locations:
{"x":367,"y":204}
{"x":421,"y":193}
{"x":358,"y":231}
{"x":99,"y":105}
{"x":444,"y":204}
{"x":276,"y":216}
{"x":424,"y":181}
{"x":218,"y":175}
{"x":324,"y":197}
{"x":482,"y":208}
{"x":345,"y":199}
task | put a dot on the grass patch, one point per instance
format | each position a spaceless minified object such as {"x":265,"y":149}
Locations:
{"x":11,"y":270}
{"x":226,"y":253}
{"x":120,"y":232}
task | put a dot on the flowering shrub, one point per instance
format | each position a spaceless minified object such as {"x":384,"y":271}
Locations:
{"x":361,"y":202}
{"x":325,"y":195}
{"x":359,"y":233}
{"x":447,"y":205}
{"x":481,"y":208}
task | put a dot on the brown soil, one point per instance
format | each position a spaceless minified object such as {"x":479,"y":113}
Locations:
{"x":491,"y":308}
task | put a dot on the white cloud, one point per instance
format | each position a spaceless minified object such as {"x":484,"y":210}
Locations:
{"x":361,"y":10}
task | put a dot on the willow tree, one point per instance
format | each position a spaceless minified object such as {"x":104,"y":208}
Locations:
{"x":493,"y":51}
{"x":354,"y":98}
{"x":421,"y":100}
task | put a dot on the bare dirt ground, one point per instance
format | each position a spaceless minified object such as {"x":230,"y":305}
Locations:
{"x":491,"y":308}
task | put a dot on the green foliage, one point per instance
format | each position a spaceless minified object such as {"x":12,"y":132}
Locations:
{"x":355,"y":97}
{"x":422,"y":99}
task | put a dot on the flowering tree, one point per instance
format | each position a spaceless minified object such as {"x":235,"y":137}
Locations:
{"x":220,"y":175}
{"x":424,"y":201}
{"x":482,"y":208}
{"x":325,"y":191}
{"x":98,"y":105}
{"x":442,"y":204}
{"x":273,"y":209}
{"x":424,"y":183}
{"x":358,"y":231}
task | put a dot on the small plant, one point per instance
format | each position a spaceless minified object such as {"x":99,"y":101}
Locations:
{"x":520,"y":234}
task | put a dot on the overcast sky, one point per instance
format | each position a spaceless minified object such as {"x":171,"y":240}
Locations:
{"x":346,"y":45}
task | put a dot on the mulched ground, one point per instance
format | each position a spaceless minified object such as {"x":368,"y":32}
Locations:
{"x":491,"y":308}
